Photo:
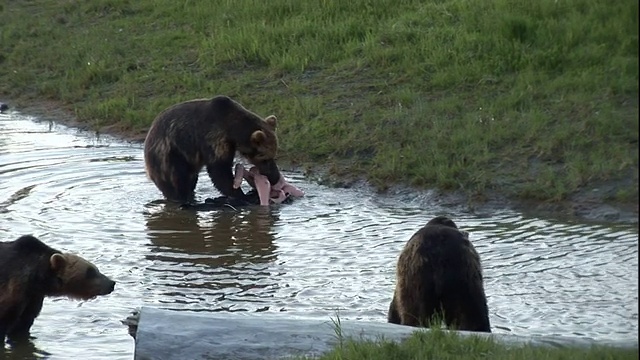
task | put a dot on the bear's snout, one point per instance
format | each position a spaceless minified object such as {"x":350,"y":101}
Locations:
{"x":109,"y":286}
{"x":269,"y":168}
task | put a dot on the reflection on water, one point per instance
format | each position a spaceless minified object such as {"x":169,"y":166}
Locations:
{"x":23,"y":351}
{"x":221,"y":238}
{"x":219,"y":255}
{"x":333,"y":250}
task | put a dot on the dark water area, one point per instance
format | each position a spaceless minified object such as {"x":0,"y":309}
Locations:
{"x":332,"y":252}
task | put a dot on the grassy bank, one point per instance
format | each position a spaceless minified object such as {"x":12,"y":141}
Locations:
{"x":535,"y":99}
{"x":441,"y":345}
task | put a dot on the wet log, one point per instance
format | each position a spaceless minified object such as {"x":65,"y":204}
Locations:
{"x":166,"y":334}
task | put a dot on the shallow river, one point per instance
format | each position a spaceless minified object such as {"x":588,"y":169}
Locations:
{"x":331,"y":251}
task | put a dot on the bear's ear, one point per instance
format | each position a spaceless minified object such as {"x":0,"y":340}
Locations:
{"x":58,"y":262}
{"x":271,"y":120}
{"x":258,"y":137}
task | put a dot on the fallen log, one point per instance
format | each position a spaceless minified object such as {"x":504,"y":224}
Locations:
{"x":167,"y":334}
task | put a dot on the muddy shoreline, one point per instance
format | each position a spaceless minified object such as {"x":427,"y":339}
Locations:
{"x":588,"y":205}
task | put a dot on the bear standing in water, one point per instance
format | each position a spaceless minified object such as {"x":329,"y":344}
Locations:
{"x":207,"y":133}
{"x":31,"y":270}
{"x":439,"y":273}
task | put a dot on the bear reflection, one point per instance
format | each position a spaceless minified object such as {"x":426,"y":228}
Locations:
{"x":212,"y":238}
{"x":225,"y":257}
{"x":23,"y":350}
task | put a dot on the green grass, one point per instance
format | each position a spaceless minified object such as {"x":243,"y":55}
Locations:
{"x":437,"y":343}
{"x":441,"y":345}
{"x":534,"y":99}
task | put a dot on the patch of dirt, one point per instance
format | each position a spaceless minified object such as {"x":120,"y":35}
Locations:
{"x":590,"y":205}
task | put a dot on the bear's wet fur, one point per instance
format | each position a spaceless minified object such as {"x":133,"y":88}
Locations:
{"x":439,"y":276}
{"x":30,"y":271}
{"x":194,"y":134}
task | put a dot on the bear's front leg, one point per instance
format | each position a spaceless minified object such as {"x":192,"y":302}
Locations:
{"x":221,"y":175}
{"x":21,"y":328}
{"x":3,"y":334}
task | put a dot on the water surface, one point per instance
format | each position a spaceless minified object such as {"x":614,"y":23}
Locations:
{"x":334,"y":250}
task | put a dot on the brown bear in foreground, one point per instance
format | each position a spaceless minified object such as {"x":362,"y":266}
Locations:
{"x":188,"y":136}
{"x":439,"y":273}
{"x":31,"y":270}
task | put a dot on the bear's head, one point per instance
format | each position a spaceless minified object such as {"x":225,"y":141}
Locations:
{"x":263,"y":149}
{"x":78,"y":278}
{"x":442,"y":220}
{"x":445,"y":221}
{"x":253,"y":137}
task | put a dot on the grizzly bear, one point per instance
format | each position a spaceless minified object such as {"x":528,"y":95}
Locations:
{"x":439,"y":276}
{"x":194,"y":134}
{"x":31,"y":270}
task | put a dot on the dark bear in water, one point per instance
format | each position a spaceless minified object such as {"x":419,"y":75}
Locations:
{"x":31,"y":270}
{"x":207,"y":133}
{"x":439,"y":276}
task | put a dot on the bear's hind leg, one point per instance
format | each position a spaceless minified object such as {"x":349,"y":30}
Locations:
{"x":468,"y":313}
{"x":414,"y":309}
{"x":427,"y":302}
{"x":393,"y":316}
{"x":454,"y":315}
{"x":183,"y":179}
{"x":168,"y":171}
